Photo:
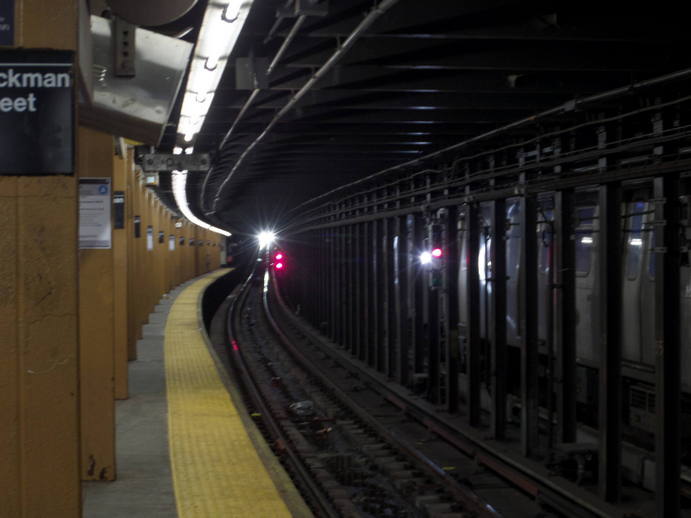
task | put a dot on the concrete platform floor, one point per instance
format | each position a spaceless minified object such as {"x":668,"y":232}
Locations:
{"x":144,"y":486}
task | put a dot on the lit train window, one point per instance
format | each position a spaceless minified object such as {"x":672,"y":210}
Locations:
{"x":584,"y":240}
{"x":634,"y":240}
{"x":513,"y":245}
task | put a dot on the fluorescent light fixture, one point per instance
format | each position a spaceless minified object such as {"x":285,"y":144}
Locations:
{"x":179,"y":186}
{"x":636,"y":241}
{"x":221,"y":27}
{"x":586,"y":240}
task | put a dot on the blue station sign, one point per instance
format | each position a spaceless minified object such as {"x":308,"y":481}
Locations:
{"x":36,"y":112}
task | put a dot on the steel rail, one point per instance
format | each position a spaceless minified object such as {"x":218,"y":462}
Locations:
{"x":271,"y":423}
{"x":464,"y":495}
{"x":371,"y":17}
{"x":508,"y":467}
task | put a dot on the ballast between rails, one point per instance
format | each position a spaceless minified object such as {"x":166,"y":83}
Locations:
{"x":516,"y":471}
{"x":288,"y":455}
{"x":461,"y":493}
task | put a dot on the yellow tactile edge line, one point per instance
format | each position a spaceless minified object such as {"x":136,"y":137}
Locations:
{"x":216,"y":470}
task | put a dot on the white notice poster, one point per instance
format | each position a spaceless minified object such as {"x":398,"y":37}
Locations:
{"x":171,"y":242}
{"x":149,"y":238}
{"x":94,"y":213}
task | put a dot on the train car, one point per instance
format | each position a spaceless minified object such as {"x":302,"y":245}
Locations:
{"x":638,"y":322}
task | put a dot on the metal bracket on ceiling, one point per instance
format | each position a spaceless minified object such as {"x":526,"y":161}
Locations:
{"x":124,"y":48}
{"x":226,"y":18}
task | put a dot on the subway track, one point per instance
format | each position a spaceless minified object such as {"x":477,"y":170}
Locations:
{"x":351,"y":449}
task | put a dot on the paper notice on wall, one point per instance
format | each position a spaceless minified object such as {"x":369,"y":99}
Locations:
{"x":94,"y":213}
{"x":171,"y":242}
{"x":149,"y":238}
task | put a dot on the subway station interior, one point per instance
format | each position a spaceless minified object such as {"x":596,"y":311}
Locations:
{"x":345,"y":258}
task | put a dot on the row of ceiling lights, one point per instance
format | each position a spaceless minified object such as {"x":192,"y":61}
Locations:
{"x":221,"y":27}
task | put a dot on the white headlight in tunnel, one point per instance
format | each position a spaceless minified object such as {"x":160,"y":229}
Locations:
{"x":425,"y":257}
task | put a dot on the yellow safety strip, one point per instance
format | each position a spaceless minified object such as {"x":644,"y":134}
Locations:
{"x":216,"y":470}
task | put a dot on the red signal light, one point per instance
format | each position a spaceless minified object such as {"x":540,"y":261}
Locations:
{"x":278,"y":256}
{"x":279,"y":266}
{"x":437,"y":252}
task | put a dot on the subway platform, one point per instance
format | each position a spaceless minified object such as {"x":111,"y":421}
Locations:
{"x":185,"y":445}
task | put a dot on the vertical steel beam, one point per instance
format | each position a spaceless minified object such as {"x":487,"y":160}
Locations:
{"x":451,"y":269}
{"x":313,"y":283}
{"x":407,"y":362}
{"x":308,"y":259}
{"x":498,"y":320}
{"x":428,"y":318}
{"x":609,"y":393}
{"x":385,"y":307}
{"x":366,"y":282}
{"x":357,"y":290}
{"x":565,"y":314}
{"x":325,"y":298}
{"x":433,"y":324}
{"x":338,"y":280}
{"x":529,"y":325}
{"x":401,"y":298}
{"x":317,"y":279}
{"x":392,"y":342}
{"x":418,"y":300}
{"x":333,"y":299}
{"x":374,"y":316}
{"x":322,"y":281}
{"x":472,"y":287}
{"x":347,"y":287}
{"x":667,"y":346}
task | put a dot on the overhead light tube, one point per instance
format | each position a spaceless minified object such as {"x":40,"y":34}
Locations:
{"x":180,"y":193}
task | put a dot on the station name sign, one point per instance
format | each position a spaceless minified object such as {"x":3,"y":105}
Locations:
{"x":36,"y":112}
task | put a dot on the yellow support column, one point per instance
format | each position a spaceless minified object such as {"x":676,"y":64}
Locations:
{"x":96,"y":329}
{"x":39,"y":428}
{"x":120,"y":285}
{"x":132,"y":210}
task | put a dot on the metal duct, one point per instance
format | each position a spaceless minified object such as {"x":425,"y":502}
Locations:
{"x":135,"y":107}
{"x":150,"y":14}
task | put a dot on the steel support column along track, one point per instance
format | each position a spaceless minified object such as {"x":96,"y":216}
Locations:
{"x":610,"y":392}
{"x":668,"y":346}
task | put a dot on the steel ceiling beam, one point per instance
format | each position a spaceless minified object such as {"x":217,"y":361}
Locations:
{"x":376,"y":12}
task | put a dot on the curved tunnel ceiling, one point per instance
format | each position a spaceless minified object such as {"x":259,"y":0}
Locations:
{"x":421,"y":77}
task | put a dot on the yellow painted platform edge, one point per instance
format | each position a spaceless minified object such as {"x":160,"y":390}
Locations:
{"x":288,"y":496}
{"x":281,"y":479}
